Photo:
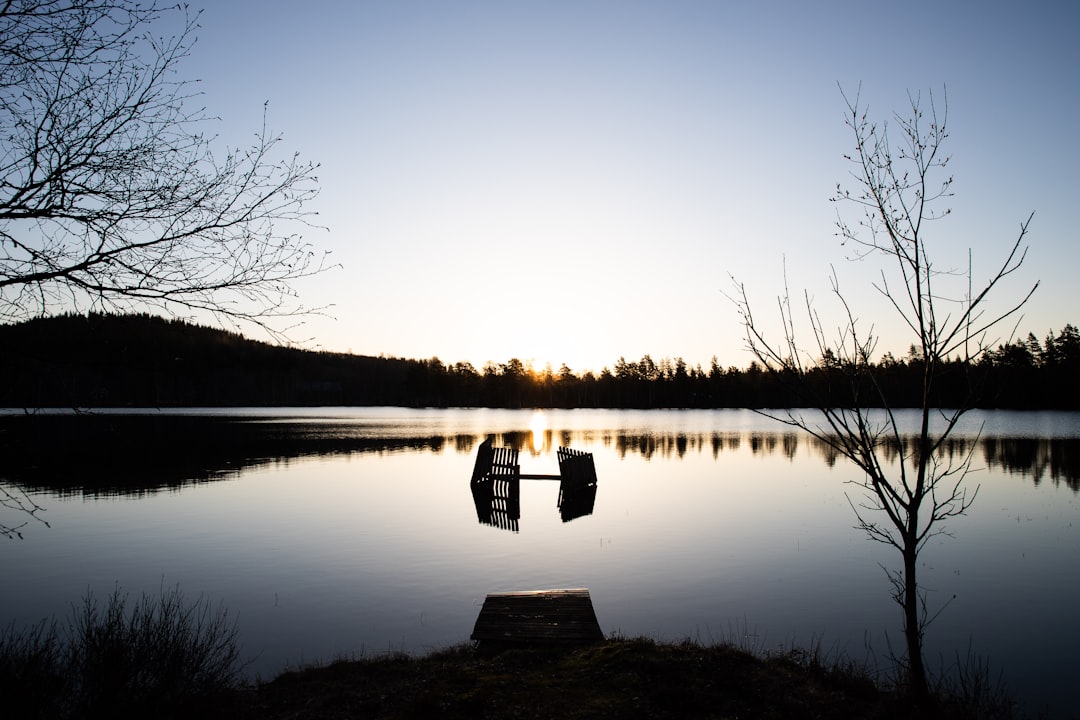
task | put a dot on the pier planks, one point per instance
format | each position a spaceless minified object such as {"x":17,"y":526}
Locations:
{"x":546,"y":617}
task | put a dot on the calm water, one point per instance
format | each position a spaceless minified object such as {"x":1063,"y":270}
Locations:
{"x":336,"y":532}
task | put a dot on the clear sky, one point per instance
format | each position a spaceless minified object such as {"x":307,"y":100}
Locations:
{"x":576,"y":181}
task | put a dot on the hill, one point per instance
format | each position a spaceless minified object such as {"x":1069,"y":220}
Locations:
{"x":142,"y":360}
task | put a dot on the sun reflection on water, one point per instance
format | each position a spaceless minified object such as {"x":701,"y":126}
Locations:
{"x":538,"y":424}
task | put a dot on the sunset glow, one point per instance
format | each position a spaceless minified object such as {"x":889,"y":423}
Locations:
{"x":652,"y":150}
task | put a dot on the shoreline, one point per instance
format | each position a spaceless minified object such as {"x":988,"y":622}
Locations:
{"x":619,"y":677}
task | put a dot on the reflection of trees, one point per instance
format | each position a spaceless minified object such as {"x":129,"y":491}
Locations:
{"x":1058,"y":459}
{"x":132,"y":454}
{"x":464,"y":443}
{"x":137,"y":454}
{"x":1038,"y":458}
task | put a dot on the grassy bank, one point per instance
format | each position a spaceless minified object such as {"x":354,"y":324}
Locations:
{"x":622,"y":678}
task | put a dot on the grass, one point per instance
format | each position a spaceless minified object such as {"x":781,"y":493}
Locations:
{"x":619,"y":678}
{"x":158,"y":656}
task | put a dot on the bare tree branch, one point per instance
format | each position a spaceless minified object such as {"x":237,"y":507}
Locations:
{"x":15,"y":499}
{"x":906,"y":478}
{"x":112,"y":195}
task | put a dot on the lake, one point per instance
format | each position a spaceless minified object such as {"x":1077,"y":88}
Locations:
{"x":333,"y":532}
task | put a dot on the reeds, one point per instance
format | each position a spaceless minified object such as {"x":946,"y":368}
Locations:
{"x":150,"y":658}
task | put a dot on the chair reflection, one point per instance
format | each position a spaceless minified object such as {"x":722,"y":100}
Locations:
{"x":498,"y":502}
{"x":496,"y":485}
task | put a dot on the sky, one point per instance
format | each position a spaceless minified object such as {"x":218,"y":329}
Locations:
{"x":575,"y":182}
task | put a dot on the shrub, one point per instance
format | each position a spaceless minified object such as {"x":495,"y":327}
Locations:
{"x":32,"y":676}
{"x":149,"y":659}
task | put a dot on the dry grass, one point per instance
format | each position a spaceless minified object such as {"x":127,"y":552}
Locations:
{"x":151,"y":657}
{"x":625,"y":678}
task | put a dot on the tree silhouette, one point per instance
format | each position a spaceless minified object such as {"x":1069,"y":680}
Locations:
{"x":910,"y":488}
{"x":112,"y":195}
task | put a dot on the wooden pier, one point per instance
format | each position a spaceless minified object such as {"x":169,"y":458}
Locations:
{"x":537,"y":617}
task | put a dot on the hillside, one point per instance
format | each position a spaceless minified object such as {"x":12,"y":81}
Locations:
{"x":147,"y":361}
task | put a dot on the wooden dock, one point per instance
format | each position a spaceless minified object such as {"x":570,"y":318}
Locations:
{"x":537,"y":617}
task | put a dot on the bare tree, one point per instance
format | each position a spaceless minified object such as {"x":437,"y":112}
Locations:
{"x":112,"y":196}
{"x":910,"y":488}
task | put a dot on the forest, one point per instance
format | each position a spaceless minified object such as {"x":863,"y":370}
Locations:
{"x":141,"y":360}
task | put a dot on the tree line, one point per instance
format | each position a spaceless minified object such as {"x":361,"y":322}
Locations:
{"x":141,"y":360}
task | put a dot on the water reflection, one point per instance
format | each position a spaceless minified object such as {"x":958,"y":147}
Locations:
{"x":136,"y":454}
{"x":498,"y":502}
{"x":370,"y":540}
{"x":576,"y":499}
{"x":1037,"y":458}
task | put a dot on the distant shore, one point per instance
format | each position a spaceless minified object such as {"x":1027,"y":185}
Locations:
{"x":142,"y":360}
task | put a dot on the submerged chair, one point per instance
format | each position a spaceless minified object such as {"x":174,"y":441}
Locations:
{"x":496,"y":486}
{"x":577,"y":487}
